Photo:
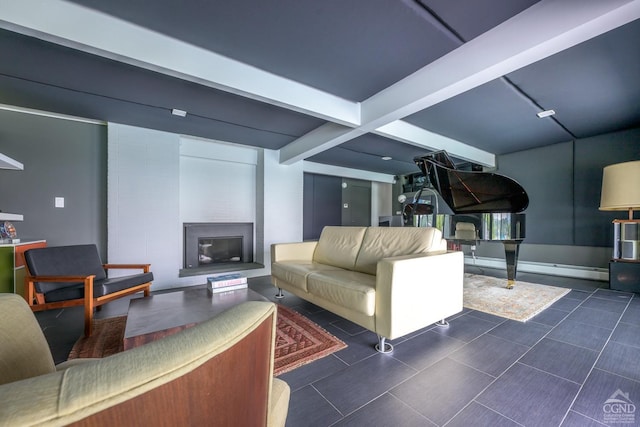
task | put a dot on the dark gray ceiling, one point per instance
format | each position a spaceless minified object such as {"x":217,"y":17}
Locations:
{"x":353,"y":50}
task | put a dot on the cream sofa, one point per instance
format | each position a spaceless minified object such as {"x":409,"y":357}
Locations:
{"x":390,"y":280}
{"x":219,"y":372}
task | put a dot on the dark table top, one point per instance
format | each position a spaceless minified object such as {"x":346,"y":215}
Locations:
{"x":173,"y":309}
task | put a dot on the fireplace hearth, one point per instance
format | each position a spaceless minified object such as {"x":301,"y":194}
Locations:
{"x":217,"y":247}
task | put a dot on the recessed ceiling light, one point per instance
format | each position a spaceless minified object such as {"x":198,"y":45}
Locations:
{"x":386,"y":158}
{"x":180,"y":113}
{"x":545,"y":113}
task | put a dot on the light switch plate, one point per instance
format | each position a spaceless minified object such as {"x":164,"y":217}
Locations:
{"x":59,"y":202}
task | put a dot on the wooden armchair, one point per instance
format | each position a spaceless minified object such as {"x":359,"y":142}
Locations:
{"x":65,"y":276}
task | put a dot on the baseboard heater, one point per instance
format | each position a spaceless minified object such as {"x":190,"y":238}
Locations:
{"x":576,"y":271}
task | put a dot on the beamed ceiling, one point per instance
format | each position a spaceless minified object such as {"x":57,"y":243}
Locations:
{"x":335,"y":82}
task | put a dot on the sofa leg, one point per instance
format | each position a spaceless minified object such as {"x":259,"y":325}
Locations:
{"x":443,"y":323}
{"x":382,"y":346}
{"x":279,"y":295}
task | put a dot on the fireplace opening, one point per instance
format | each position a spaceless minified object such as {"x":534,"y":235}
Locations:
{"x":217,"y":247}
{"x":216,"y":250}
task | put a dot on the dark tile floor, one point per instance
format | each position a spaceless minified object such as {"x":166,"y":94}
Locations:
{"x":558,"y":369}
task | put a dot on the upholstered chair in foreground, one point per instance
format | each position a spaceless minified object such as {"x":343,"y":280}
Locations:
{"x":219,"y":372}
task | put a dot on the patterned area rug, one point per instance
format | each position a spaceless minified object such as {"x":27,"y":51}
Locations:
{"x":298,"y":340}
{"x":524,"y":301}
{"x":107,"y":339}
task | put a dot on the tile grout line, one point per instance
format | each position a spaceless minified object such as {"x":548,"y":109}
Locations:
{"x":517,"y":360}
{"x":573,"y":401}
{"x":329,"y":402}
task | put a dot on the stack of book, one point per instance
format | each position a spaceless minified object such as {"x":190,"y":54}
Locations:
{"x":226,"y":282}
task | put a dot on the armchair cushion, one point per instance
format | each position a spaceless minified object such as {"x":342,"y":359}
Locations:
{"x":24,"y":352}
{"x":100,"y":287}
{"x":77,"y":260}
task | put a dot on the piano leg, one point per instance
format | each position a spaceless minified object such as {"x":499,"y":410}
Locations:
{"x":511,"y":249}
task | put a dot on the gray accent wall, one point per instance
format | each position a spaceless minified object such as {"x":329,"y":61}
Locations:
{"x":356,"y":202}
{"x":62,"y":158}
{"x":322,"y":204}
{"x":332,"y":200}
{"x":592,"y":226}
{"x":564,"y":182}
{"x":546,"y":174}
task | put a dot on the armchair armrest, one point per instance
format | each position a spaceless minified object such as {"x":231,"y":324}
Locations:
{"x":414,"y":291}
{"x":145,"y":267}
{"x":299,"y":251}
{"x":70,"y":279}
{"x":40,"y":302}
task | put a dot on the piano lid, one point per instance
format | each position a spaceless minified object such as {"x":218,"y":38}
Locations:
{"x":471,"y":191}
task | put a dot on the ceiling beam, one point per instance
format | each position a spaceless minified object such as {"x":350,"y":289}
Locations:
{"x":419,"y":137}
{"x":88,"y":30}
{"x":318,"y":140}
{"x":322,"y":169}
{"x":546,"y":28}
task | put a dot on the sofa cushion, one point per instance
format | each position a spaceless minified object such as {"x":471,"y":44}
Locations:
{"x":338,"y":246}
{"x":295,"y":272}
{"x":385,"y":242}
{"x":346,"y":288}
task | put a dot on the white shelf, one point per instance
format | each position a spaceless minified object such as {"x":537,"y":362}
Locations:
{"x":9,"y":163}
{"x":10,"y":217}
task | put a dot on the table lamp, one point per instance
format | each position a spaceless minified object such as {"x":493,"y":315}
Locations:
{"x":621,"y":192}
{"x":621,"y":187}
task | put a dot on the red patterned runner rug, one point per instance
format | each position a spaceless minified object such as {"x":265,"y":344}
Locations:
{"x":298,"y":340}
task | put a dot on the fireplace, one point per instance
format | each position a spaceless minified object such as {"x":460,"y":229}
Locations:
{"x":216,"y":250}
{"x":217,"y":246}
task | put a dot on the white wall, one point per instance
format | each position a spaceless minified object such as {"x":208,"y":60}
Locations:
{"x":143,"y":222}
{"x":157,"y":181}
{"x":217,"y":182}
{"x":280,"y":200}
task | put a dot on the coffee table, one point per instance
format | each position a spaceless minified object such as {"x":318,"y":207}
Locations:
{"x":161,"y":315}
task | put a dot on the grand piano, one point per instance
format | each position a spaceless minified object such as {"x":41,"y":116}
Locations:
{"x":486,"y":206}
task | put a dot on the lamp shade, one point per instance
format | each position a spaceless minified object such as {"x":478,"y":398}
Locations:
{"x":621,"y":187}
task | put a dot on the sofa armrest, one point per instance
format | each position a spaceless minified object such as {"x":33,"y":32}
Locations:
{"x":414,"y":291}
{"x":300,"y":251}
